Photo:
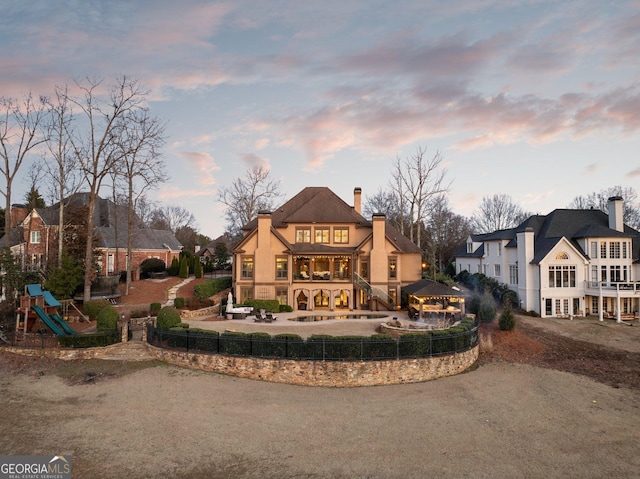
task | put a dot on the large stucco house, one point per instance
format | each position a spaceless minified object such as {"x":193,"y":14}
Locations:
{"x":316,"y":252}
{"x":567,"y":263}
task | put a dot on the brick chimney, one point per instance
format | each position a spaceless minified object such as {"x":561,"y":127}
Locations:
{"x":18,"y":214}
{"x":357,"y":200}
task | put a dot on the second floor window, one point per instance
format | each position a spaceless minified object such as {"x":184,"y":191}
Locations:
{"x":341,"y":235}
{"x":562,"y":276}
{"x":247,"y":268}
{"x":35,"y":237}
{"x":322,"y":235}
{"x":303,"y":235}
{"x":614,"y":250}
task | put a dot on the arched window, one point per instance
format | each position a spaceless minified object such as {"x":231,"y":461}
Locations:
{"x":562,"y":255}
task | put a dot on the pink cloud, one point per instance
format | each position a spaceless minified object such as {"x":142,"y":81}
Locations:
{"x":204,"y":164}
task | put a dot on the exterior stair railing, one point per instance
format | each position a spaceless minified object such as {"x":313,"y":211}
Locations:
{"x":373,"y":291}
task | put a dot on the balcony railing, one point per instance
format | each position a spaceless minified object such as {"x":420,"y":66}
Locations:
{"x":609,"y":286}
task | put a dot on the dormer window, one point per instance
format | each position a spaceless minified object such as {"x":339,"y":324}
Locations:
{"x":469,"y":247}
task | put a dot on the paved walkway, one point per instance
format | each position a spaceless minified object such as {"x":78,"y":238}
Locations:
{"x":172,"y":293}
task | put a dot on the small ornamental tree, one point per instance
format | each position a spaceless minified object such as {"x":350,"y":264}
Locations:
{"x":174,"y":269}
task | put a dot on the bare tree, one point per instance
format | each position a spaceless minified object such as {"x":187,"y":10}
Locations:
{"x":100,"y":149}
{"x":600,"y":201}
{"x":247,"y":196}
{"x":385,"y":201}
{"x":445,"y":230}
{"x":20,"y":133}
{"x":143,"y":169}
{"x":172,"y":218}
{"x":144,"y":208}
{"x":497,"y":212}
{"x":62,"y":169}
{"x":417,"y":181}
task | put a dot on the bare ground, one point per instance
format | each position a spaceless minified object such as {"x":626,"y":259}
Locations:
{"x":539,"y":403}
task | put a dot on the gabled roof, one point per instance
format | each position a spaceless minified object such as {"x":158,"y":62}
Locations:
{"x":428,"y":287}
{"x":550,"y":229}
{"x":314,"y":204}
{"x":109,"y":219}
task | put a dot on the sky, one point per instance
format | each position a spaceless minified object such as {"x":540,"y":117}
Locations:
{"x":539,"y":100}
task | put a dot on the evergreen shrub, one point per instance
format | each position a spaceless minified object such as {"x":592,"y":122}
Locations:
{"x":93,"y":307}
{"x":168,"y":317}
{"x":178,"y":303}
{"x":107,"y":319}
{"x":507,"y":321}
{"x":288,"y":346}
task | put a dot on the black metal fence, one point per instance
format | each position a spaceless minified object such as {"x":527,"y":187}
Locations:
{"x":345,"y":348}
{"x":48,"y":340}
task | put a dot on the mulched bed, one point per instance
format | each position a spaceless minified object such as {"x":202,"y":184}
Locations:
{"x":529,"y":345}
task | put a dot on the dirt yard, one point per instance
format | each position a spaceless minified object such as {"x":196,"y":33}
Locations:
{"x":555,"y":398}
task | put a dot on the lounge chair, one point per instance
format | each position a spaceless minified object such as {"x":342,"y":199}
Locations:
{"x":270,"y":317}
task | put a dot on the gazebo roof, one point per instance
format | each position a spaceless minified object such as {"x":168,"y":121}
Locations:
{"x":430,"y":288}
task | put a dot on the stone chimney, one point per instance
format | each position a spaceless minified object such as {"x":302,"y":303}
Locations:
{"x":357,"y":200}
{"x":18,"y":214}
{"x":616,"y":210}
{"x":264,"y":267}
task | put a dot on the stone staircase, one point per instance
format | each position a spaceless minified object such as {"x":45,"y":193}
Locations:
{"x":130,"y":351}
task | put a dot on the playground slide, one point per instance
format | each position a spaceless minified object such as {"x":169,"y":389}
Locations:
{"x":47,"y":320}
{"x":56,"y":317}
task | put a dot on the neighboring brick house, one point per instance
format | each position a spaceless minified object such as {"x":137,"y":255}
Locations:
{"x":34,"y":237}
{"x":567,"y":263}
{"x":315,"y":252}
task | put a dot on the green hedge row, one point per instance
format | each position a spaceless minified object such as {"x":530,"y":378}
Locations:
{"x":90,"y":340}
{"x":323,"y":347}
{"x":208,"y":288}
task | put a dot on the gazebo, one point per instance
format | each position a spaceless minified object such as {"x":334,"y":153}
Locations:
{"x":430,"y":297}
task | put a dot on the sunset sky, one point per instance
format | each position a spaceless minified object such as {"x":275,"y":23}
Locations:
{"x":536,"y":99}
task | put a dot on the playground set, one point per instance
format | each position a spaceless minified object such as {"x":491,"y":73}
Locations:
{"x":39,"y":309}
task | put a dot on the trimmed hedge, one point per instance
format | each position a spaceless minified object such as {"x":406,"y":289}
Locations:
{"x":107,"y":319}
{"x":212,"y":286}
{"x":271,"y":305}
{"x":154,"y":308}
{"x":178,"y":303}
{"x":168,"y":317}
{"x":325,"y":347}
{"x":90,"y":340}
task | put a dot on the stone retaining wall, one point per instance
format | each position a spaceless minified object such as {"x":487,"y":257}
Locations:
{"x":200,"y":312}
{"x":325,"y":373}
{"x":65,"y":354}
{"x":303,"y":373}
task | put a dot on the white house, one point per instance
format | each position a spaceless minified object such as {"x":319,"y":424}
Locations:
{"x":569,"y":262}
